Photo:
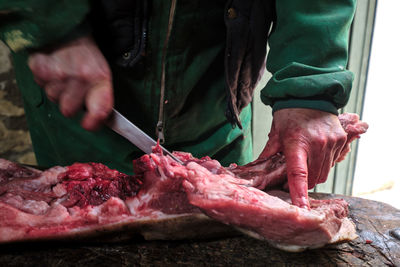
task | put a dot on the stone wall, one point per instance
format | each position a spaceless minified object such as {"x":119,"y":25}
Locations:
{"x":15,"y":142}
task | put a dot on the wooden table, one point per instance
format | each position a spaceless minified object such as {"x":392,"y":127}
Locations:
{"x":375,"y":247}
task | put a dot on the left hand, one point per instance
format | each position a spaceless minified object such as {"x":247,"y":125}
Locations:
{"x":311,"y":141}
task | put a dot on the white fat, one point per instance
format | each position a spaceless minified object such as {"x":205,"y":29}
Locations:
{"x":57,"y":213}
{"x":59,"y":190}
{"x":150,"y":214}
{"x":134,"y":204}
{"x":158,"y":215}
{"x":35,"y":207}
{"x":94,"y":211}
{"x":47,"y":178}
{"x":61,"y":199}
{"x":293,"y":248}
{"x":288,"y":248}
{"x":163,"y":177}
{"x":346,"y":233}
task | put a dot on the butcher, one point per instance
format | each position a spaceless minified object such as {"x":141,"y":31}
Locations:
{"x":184,"y":72}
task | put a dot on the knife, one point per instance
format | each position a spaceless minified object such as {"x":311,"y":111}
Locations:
{"x":121,"y":125}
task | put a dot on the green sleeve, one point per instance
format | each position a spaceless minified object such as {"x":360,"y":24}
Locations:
{"x":308,"y":55}
{"x":35,"y":23}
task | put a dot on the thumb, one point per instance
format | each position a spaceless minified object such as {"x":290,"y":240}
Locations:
{"x":273,"y":145}
{"x":271,"y":148}
{"x":297,"y":174}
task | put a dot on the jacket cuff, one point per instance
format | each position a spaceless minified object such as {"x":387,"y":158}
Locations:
{"x":302,"y":103}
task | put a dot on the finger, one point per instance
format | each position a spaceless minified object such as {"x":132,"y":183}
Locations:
{"x":273,"y":145}
{"x":342,"y":152}
{"x":336,"y":155}
{"x":314,"y":169}
{"x":318,"y":158}
{"x":346,"y":149}
{"x":72,"y":97}
{"x":325,"y":168}
{"x":297,"y":172}
{"x":340,"y":145}
{"x":38,"y":66}
{"x":36,"y":62}
{"x":271,"y":148}
{"x":99,"y":102}
{"x":45,"y":68}
{"x":53,"y":90}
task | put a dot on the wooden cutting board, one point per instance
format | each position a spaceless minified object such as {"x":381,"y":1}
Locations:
{"x":376,"y":246}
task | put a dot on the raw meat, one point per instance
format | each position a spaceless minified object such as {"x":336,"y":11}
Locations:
{"x":264,"y":172}
{"x":166,"y":200}
{"x":268,"y":217}
{"x":87,"y":200}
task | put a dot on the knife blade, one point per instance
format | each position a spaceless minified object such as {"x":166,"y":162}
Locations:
{"x":121,"y":125}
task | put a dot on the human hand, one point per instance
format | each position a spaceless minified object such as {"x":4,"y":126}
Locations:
{"x":311,"y":141}
{"x":74,"y":75}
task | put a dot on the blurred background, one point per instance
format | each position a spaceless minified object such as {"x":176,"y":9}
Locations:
{"x":15,"y":142}
{"x":376,"y":176}
{"x":369,"y":171}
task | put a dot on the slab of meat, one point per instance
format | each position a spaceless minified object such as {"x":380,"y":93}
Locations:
{"x":88,"y":200}
{"x":267,"y":215}
{"x":166,"y":200}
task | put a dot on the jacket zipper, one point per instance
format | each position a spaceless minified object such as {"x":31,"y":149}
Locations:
{"x":160,"y":123}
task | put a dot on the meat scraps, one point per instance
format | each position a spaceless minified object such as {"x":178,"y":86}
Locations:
{"x":166,"y":200}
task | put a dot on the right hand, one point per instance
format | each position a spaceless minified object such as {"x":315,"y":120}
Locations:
{"x":76,"y":75}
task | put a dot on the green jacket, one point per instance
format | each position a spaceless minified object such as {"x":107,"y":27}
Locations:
{"x":308,"y":56}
